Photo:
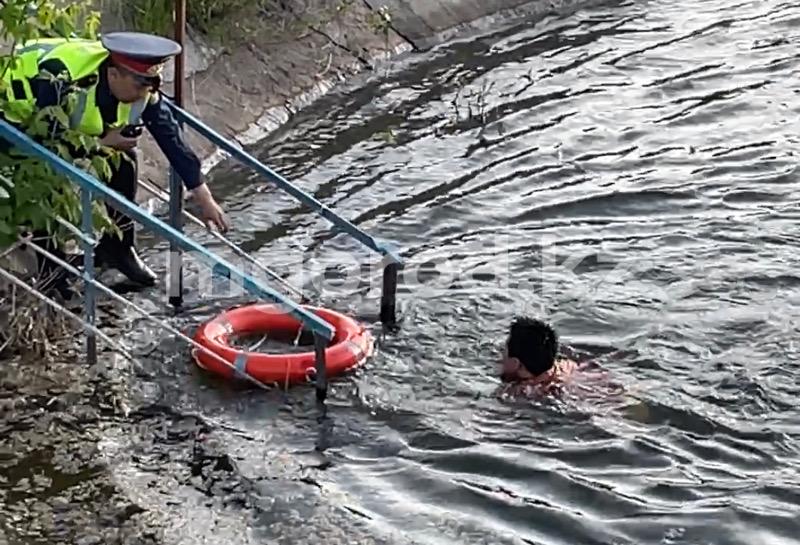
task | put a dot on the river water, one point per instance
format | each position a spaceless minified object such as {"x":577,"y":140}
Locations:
{"x":627,"y":172}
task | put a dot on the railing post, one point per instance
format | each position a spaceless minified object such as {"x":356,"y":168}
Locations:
{"x":320,"y":344}
{"x":388,"y":313}
{"x":175,"y":283}
{"x":175,"y":270}
{"x":87,"y":226}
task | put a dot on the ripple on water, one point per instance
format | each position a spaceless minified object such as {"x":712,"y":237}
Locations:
{"x":627,"y":171}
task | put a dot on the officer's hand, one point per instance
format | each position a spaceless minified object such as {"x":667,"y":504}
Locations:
{"x":210,"y":211}
{"x":214,"y":216}
{"x":114,"y":139}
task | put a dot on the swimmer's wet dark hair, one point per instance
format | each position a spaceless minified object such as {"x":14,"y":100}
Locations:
{"x":534,"y":343}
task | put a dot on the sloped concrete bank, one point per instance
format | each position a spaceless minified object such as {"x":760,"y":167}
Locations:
{"x":245,"y":90}
{"x":426,"y":23}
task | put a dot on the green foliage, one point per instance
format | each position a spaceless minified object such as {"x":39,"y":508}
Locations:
{"x":232,"y":22}
{"x":32,"y":194}
{"x":29,"y":19}
{"x":154,"y":16}
{"x":207,"y":16}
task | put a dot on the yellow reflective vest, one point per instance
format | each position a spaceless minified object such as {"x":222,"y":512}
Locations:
{"x":82,"y":59}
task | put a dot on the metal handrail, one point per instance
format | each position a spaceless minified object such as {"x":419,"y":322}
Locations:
{"x":390,"y":270}
{"x":322,"y":330}
{"x":161,"y":323}
{"x":86,"y":325}
{"x":163,"y":196}
{"x":345,"y":225}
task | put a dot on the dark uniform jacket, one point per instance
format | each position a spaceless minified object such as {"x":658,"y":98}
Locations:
{"x":156,"y":117}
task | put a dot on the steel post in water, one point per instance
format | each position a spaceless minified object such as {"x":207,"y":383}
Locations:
{"x":320,"y":344}
{"x":388,"y":312}
{"x":87,"y":226}
{"x":175,"y":268}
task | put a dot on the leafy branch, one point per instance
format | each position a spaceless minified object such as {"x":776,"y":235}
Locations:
{"x":32,"y":194}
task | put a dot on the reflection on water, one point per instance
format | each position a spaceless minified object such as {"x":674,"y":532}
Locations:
{"x":627,"y":172}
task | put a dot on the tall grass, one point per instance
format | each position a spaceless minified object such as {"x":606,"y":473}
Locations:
{"x":207,"y":16}
{"x":155,"y":16}
{"x":231,"y":21}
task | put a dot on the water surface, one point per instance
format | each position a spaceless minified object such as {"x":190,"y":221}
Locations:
{"x":629,"y":173}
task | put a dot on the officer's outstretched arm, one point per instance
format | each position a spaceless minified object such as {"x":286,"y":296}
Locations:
{"x":168,"y":135}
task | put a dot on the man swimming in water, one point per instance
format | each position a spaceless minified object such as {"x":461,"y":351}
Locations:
{"x":530,"y":364}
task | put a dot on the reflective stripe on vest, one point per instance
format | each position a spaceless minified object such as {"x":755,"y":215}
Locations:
{"x":44,"y":46}
{"x":77,"y":117}
{"x":27,"y":66}
{"x":21,"y":68}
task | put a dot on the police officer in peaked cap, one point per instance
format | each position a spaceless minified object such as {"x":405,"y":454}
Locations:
{"x":123,"y":72}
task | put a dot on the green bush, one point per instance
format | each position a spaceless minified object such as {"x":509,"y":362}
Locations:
{"x":32,"y":194}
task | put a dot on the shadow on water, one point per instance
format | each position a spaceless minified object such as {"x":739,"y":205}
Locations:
{"x":627,"y":172}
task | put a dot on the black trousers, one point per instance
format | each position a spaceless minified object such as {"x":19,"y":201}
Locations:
{"x":123,"y":180}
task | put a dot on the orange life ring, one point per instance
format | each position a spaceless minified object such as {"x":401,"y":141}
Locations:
{"x":351,"y":345}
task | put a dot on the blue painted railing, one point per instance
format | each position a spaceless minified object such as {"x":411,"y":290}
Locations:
{"x":390,"y":270}
{"x":224,"y":144}
{"x":91,"y":186}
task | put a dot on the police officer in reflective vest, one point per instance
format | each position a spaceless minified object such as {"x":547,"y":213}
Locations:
{"x":117,"y":81}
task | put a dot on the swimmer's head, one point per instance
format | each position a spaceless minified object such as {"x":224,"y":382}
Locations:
{"x":530,"y":349}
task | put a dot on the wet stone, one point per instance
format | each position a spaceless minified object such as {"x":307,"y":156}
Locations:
{"x":23,"y":485}
{"x":42,"y":481}
{"x":60,"y":503}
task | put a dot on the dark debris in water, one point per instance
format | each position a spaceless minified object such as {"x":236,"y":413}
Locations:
{"x":56,"y":484}
{"x":81,"y":462}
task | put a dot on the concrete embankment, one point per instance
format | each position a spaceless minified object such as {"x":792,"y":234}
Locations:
{"x":425,"y":23}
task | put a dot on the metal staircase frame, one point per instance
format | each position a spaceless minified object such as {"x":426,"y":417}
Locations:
{"x":90,"y":188}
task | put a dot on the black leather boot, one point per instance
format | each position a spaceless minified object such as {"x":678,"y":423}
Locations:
{"x":120,"y":253}
{"x":127,"y":261}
